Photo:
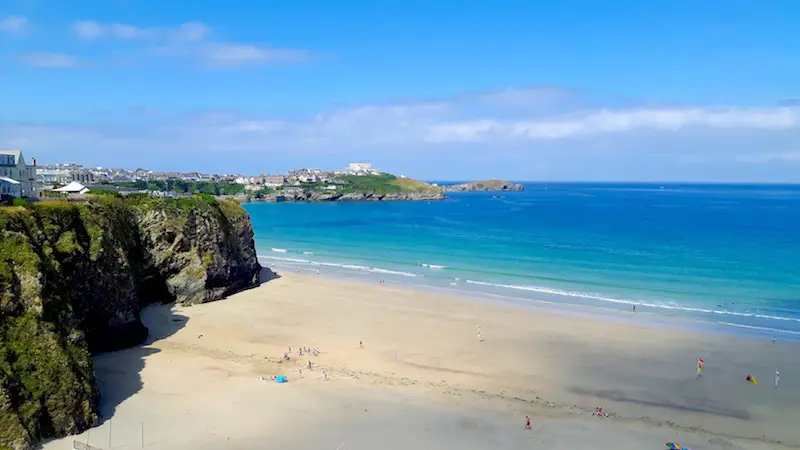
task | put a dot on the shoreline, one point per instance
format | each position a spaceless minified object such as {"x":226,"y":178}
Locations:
{"x":421,"y":377}
{"x":656,"y":314}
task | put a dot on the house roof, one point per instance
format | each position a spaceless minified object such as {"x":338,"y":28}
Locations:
{"x":8,"y":180}
{"x":73,"y":186}
{"x":16,"y":153}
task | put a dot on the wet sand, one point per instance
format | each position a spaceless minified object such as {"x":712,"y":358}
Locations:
{"x":424,"y":380}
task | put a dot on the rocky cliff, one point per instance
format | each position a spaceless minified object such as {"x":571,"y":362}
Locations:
{"x":73,"y":280}
{"x":484,"y":186}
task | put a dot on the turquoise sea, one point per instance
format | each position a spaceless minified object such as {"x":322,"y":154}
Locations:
{"x":727,"y":254}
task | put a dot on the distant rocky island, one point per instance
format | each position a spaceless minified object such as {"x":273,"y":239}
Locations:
{"x":484,"y":186}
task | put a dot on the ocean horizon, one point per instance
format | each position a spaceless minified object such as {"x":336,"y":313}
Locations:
{"x":725,"y":254}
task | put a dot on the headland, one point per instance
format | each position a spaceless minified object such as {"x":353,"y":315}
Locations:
{"x":484,"y":186}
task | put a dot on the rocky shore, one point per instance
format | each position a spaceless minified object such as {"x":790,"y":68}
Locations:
{"x":73,"y":280}
{"x":484,"y":186}
{"x":350,"y":197}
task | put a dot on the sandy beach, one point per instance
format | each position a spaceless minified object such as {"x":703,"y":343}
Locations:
{"x":423,"y":379}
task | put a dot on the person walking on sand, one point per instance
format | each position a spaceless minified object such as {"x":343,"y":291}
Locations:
{"x":777,"y":378}
{"x":479,"y":333}
{"x":527,"y":423}
{"x":309,"y":364}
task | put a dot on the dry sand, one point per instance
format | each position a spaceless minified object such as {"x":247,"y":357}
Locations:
{"x":196,"y":384}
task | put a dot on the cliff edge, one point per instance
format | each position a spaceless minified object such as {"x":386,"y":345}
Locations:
{"x":484,"y":186}
{"x":73,"y":280}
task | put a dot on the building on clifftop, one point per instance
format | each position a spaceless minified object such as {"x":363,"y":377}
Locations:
{"x":13,"y":167}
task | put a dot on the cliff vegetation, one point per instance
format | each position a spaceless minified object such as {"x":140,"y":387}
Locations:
{"x":73,"y":280}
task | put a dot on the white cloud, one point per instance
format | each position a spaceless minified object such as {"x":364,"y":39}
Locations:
{"x":189,"y":42}
{"x":14,"y":24}
{"x":186,"y":32}
{"x":457,"y":132}
{"x":50,"y":60}
{"x":226,"y":55}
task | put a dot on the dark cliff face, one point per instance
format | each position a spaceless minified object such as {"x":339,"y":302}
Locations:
{"x":73,"y":280}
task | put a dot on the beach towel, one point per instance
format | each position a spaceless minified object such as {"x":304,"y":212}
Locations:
{"x":676,"y":446}
{"x":280,"y":379}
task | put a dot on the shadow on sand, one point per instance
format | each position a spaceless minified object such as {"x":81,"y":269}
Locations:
{"x":267,"y":275}
{"x":118,"y":373}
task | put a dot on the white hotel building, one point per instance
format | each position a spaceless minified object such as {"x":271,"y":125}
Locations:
{"x":17,"y":179}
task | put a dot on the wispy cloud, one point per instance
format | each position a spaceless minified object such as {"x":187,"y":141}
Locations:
{"x":189,"y":42}
{"x":572,"y":141}
{"x":231,"y":55}
{"x":50,"y":60}
{"x":186,"y":32}
{"x":14,"y":24}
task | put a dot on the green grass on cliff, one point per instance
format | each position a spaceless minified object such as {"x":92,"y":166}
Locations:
{"x":186,"y":187}
{"x":382,"y":184}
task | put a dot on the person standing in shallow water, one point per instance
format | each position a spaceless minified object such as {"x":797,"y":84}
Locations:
{"x":527,"y":423}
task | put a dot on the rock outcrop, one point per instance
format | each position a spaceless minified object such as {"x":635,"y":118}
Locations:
{"x":484,"y":186}
{"x":353,"y":197}
{"x":73,"y":280}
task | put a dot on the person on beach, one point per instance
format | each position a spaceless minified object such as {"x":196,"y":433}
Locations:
{"x":326,"y":375}
{"x":479,"y":333}
{"x":700,"y":363}
{"x":527,"y":423}
{"x":777,"y":378}
{"x":309,"y":364}
{"x":361,"y":343}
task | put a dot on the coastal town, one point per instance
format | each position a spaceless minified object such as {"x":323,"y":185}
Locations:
{"x":25,"y":179}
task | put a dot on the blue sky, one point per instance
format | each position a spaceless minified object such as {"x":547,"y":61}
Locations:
{"x":571,"y":90}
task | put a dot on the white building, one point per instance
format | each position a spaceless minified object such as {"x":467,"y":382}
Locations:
{"x":13,"y":166}
{"x":73,"y":188}
{"x":51,"y":175}
{"x":360,"y":168}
